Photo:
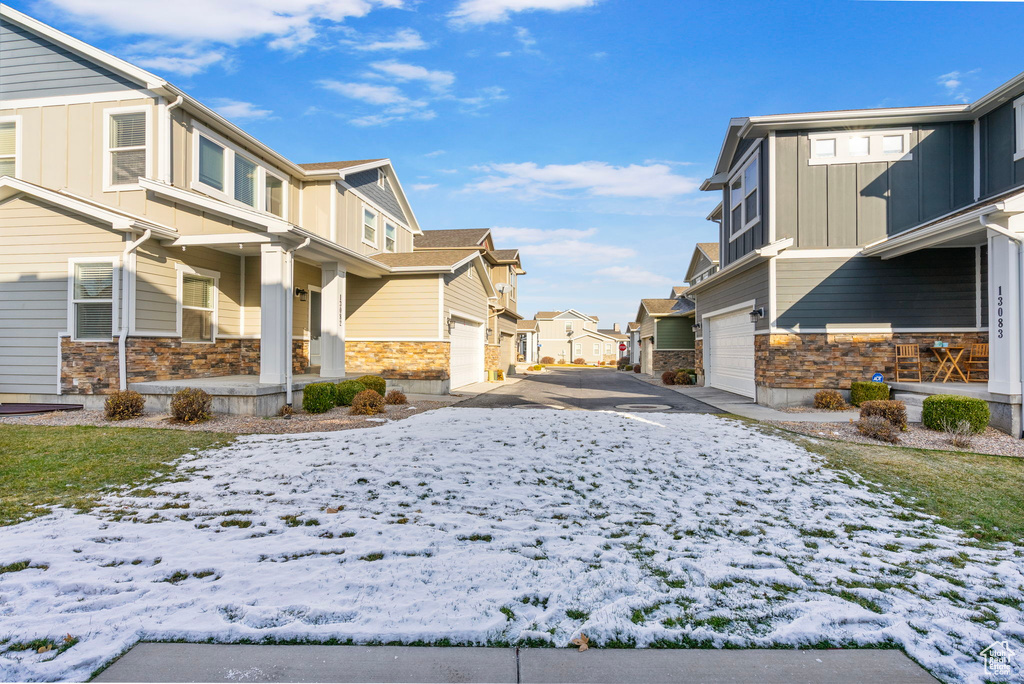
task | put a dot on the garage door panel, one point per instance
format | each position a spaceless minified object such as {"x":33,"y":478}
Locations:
{"x":467,"y":352}
{"x":731,"y":357}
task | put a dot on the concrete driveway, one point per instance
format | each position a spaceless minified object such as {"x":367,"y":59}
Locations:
{"x":587,"y":389}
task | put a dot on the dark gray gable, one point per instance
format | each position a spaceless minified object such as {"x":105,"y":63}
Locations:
{"x":365,"y":182}
{"x":35,"y":67}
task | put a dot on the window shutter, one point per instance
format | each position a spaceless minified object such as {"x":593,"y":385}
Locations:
{"x":245,"y":181}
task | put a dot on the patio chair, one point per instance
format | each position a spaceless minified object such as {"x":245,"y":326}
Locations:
{"x":977,"y":363}
{"x":908,"y":363}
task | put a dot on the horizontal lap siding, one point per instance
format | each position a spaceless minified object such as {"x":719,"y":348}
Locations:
{"x":675,"y":333}
{"x":752,"y":284}
{"x":305,"y":275}
{"x":932,"y":288}
{"x":36,"y":242}
{"x":395,"y":307}
{"x":465,"y":294}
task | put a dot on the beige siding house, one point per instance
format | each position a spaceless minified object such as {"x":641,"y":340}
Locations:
{"x":148,"y":243}
{"x":569,"y":335}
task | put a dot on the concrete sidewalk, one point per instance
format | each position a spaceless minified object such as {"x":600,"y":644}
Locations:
{"x":160,"y":662}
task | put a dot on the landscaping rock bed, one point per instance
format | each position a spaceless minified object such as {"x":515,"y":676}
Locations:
{"x":991,"y":441}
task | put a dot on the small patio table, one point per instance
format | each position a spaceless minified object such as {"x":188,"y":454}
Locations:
{"x":949,"y":361}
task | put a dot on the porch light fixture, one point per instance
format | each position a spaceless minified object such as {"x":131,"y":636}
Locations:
{"x":301,"y":294}
{"x":489,"y":331}
{"x":696,"y":327}
{"x":449,"y":324}
{"x":757,"y":314}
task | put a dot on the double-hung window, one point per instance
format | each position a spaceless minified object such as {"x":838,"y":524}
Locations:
{"x":745,"y":197}
{"x":127,"y":151}
{"x":93,"y":298}
{"x":228,"y":173}
{"x":579,"y":348}
{"x":597,"y":348}
{"x":568,"y":327}
{"x":9,"y":146}
{"x":198,"y":307}
{"x":369,"y":227}
{"x":390,"y":235}
{"x":608,"y":348}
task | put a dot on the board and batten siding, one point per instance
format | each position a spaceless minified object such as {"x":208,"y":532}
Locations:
{"x":757,"y":236}
{"x":847,"y":205}
{"x":305,"y":276}
{"x":935,"y":289}
{"x":36,"y":242}
{"x":675,"y":332}
{"x":997,"y":136}
{"x":465,"y":293}
{"x":750,"y":285}
{"x":392,"y":308}
{"x":33,"y":67}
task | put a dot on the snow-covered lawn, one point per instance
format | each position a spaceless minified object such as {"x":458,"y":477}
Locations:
{"x":492,"y":526}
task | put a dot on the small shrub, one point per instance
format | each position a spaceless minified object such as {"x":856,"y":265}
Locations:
{"x":623,"y":360}
{"x":346,"y":390}
{"x":375,"y":383}
{"x":123,"y":405}
{"x":319,"y":397}
{"x":893,"y":411}
{"x":285,"y":411}
{"x":395,"y":398}
{"x":668,"y":377}
{"x":868,"y":391}
{"x":684,"y":377}
{"x":829,"y":400}
{"x":949,"y":409}
{"x":878,"y":428}
{"x":547,"y":360}
{"x":190,"y":405}
{"x":367,"y":403}
{"x":636,"y":368}
{"x":580,"y":361}
{"x":961,"y":434}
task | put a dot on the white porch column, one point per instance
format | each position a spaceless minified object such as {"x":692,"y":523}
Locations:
{"x":1004,"y":324}
{"x":332,"y":321}
{"x":275,"y":333}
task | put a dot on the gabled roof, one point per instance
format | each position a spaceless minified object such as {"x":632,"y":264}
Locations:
{"x":709,"y":250}
{"x":472,"y":238}
{"x":320,"y":166}
{"x":678,"y":291}
{"x":632,"y":326}
{"x":443,"y":259}
{"x":527,"y":325}
{"x":506,"y":254}
{"x":612,"y":333}
{"x":666,"y":307}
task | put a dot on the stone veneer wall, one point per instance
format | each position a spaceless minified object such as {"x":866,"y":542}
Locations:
{"x":95,"y":364}
{"x":698,"y":360}
{"x":671,"y":360}
{"x":820,"y":360}
{"x":300,"y":357}
{"x":399,"y":360}
{"x":492,"y":357}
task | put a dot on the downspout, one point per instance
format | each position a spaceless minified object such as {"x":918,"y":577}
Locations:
{"x":1020,"y":297}
{"x":127,"y":306}
{"x":167,"y":133}
{"x":289,"y":306}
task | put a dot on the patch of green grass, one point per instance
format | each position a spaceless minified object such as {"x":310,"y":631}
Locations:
{"x":21,"y":565}
{"x":860,"y":600}
{"x":236,"y":523}
{"x":476,"y":537}
{"x":372,"y":557}
{"x":507,"y":612}
{"x":42,"y":467}
{"x":574,"y":614}
{"x":976,"y":493}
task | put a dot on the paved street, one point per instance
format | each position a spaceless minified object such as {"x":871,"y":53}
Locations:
{"x":587,"y":389}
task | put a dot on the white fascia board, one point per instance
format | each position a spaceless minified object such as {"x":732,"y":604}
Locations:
{"x":577,"y":313}
{"x":758,"y":125}
{"x":220,"y":239}
{"x":957,"y":226}
{"x":269,"y":222}
{"x":748,"y":260}
{"x":999,"y":96}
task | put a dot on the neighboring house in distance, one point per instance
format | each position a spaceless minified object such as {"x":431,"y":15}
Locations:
{"x":634,"y":342}
{"x":569,"y":335}
{"x":148,"y":243}
{"x":666,"y":334}
{"x":704,"y":262}
{"x":503,"y":271}
{"x":615,"y":332}
{"x":528,"y":341}
{"x":845,"y":233}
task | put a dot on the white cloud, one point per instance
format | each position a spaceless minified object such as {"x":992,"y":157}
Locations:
{"x":435,"y":153}
{"x":521,"y":235}
{"x":423,"y":187}
{"x":487,"y":11}
{"x":483,"y":98}
{"x":527,"y":40}
{"x":404,"y":39}
{"x":373,"y":94}
{"x":634,"y":276}
{"x":953,"y":82}
{"x":438,"y":81}
{"x":593,"y":178}
{"x":236,"y":109}
{"x":447,"y":170}
{"x":186,"y":63}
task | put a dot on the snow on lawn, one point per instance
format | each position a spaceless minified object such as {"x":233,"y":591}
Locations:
{"x":492,"y":526}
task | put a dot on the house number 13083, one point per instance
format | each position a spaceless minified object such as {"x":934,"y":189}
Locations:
{"x":999,"y":313}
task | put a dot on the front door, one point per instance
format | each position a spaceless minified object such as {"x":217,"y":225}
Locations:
{"x":315,"y":328}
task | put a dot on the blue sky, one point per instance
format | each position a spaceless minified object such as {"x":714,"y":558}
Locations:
{"x":578,"y":130}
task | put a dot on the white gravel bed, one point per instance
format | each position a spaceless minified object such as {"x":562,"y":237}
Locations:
{"x":991,"y":441}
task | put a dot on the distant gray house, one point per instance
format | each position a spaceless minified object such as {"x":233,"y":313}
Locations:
{"x":844,"y":233}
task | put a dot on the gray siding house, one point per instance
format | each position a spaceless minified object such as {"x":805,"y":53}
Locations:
{"x":842,"y":234}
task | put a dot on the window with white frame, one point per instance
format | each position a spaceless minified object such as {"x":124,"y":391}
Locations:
{"x":198,"y":310}
{"x":273,"y":199}
{"x":226,"y":172}
{"x":1018,"y":120}
{"x":93,"y":293}
{"x":245,"y":181}
{"x":568,"y":327}
{"x":127,"y":149}
{"x":608,"y":348}
{"x":369,"y":226}
{"x":211,"y":164}
{"x":579,"y":348}
{"x":380,"y":178}
{"x":866,"y":145}
{"x":390,"y":235}
{"x":597,"y":348}
{"x":744,"y":197}
{"x":9,"y":147}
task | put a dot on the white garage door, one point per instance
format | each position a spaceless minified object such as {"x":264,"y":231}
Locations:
{"x":731,"y":353}
{"x":467,"y":363}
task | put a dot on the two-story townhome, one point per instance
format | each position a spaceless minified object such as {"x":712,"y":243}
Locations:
{"x":704,"y":262}
{"x":842,"y":234}
{"x":146,"y":242}
{"x":503,"y":270}
{"x":569,"y":335}
{"x":665,"y":333}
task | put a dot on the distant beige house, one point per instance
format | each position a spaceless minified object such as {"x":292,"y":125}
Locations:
{"x":665,"y":330}
{"x":147,"y":242}
{"x":633,"y":329}
{"x":528,"y":341}
{"x":569,"y":335}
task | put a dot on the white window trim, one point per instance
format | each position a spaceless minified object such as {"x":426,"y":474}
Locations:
{"x":115,"y":300}
{"x":16,"y":120}
{"x":376,"y":228}
{"x":744,"y":193}
{"x":108,"y":185}
{"x":394,"y":239}
{"x":380,"y":178}
{"x":874,"y":154}
{"x":228,"y":193}
{"x":181,"y":270}
{"x":1018,"y":127}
